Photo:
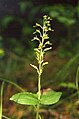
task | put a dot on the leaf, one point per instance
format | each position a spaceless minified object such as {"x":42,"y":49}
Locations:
{"x":66,"y":21}
{"x":7,"y":19}
{"x":25,"y":98}
{"x":24,"y":5}
{"x":68,"y":85}
{"x":51,"y":97}
{"x":63,"y":74}
{"x":12,"y":82}
{"x":77,"y":78}
{"x":5,"y":117}
{"x":26,"y":30}
{"x":2,"y":52}
{"x":77,"y":8}
{"x":54,"y":14}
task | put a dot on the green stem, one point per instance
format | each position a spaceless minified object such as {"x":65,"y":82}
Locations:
{"x":37,"y":114}
{"x":1,"y":100}
{"x":77,"y":76}
{"x":39,"y":85}
{"x":39,"y":82}
{"x":39,"y":88}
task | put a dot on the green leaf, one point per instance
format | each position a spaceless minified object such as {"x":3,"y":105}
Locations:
{"x":26,"y":30}
{"x":68,"y":85}
{"x":77,"y":9}
{"x":77,"y":79}
{"x":6,"y":20}
{"x":2,"y":52}
{"x":51,"y":97}
{"x":12,"y":82}
{"x":54,"y":14}
{"x":25,"y":98}
{"x":24,"y":5}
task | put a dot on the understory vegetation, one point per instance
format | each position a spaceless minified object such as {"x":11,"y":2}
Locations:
{"x":17,"y":52}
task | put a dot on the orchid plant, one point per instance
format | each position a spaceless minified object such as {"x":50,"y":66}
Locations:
{"x":38,"y":99}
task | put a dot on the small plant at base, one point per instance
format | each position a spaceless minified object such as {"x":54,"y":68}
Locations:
{"x":50,"y":97}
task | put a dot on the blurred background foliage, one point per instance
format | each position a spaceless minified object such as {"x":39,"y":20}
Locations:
{"x":16,"y":52}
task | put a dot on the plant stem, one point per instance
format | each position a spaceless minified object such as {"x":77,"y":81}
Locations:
{"x":77,"y":76}
{"x":37,"y":114}
{"x":39,"y":85}
{"x":39,"y":82}
{"x":1,"y":100}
